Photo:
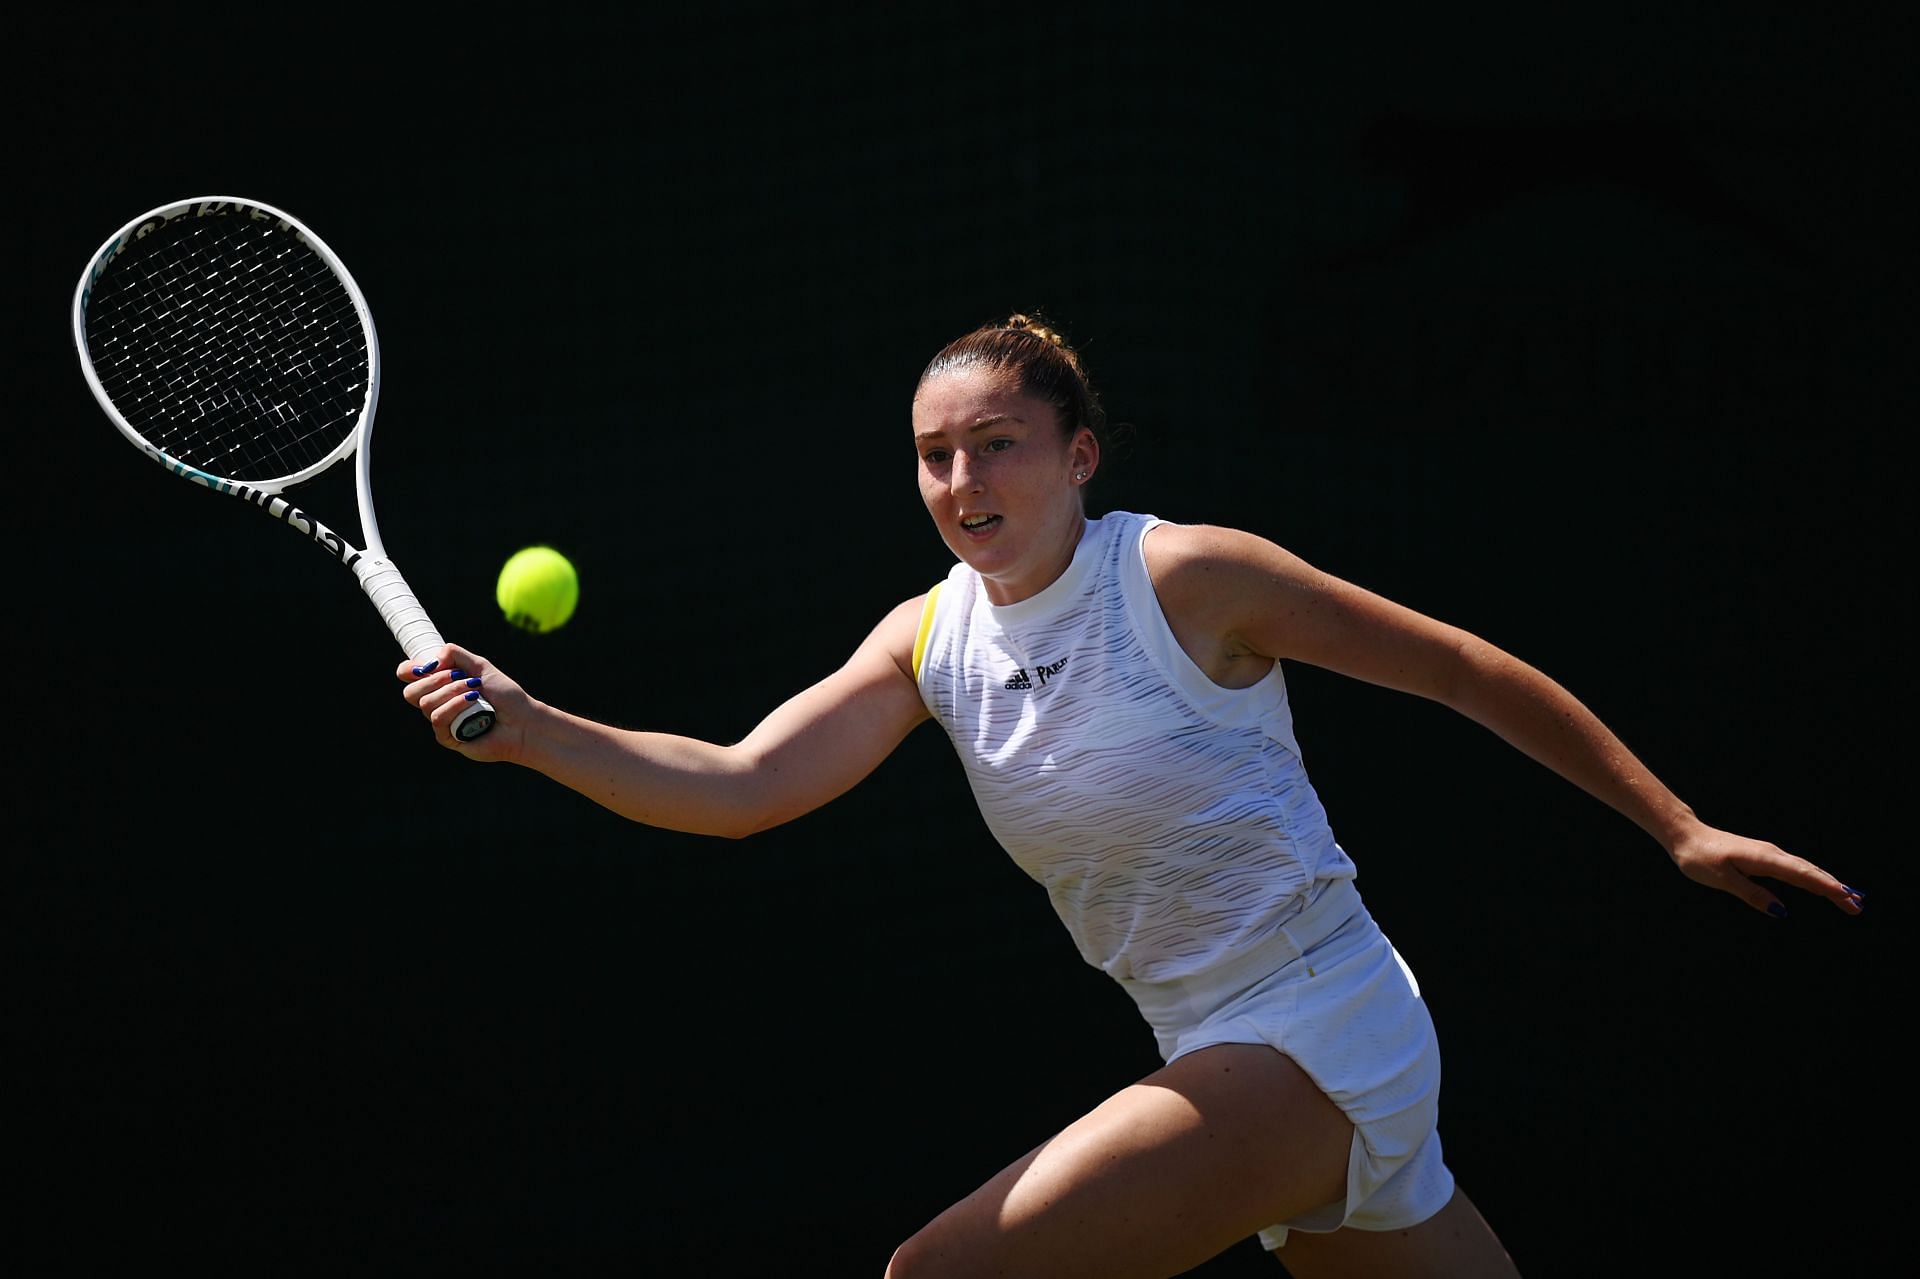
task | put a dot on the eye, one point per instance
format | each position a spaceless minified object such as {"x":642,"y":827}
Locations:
{"x":934,"y":457}
{"x":1000,"y":445}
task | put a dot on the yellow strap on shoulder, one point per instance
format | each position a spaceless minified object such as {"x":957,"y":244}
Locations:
{"x":926,"y":624}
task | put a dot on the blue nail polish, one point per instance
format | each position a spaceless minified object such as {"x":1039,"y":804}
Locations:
{"x":422,"y":670}
{"x":1853,"y":892}
{"x":472,"y":696}
{"x":454,"y":675}
{"x":474,"y":682}
{"x":1776,"y":910}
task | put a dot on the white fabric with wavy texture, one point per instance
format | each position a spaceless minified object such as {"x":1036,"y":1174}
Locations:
{"x":1169,"y":819}
{"x":1172,"y":824}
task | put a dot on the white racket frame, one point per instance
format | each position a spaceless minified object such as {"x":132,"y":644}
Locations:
{"x":395,"y":601}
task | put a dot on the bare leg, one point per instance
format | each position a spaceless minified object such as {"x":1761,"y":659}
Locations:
{"x":1155,"y":1180}
{"x":1454,"y":1243}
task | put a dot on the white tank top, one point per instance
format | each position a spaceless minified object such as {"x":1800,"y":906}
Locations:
{"x":1169,"y":819}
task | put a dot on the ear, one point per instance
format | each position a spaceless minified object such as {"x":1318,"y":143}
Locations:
{"x":1083,"y":455}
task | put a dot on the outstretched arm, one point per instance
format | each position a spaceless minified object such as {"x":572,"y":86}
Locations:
{"x":814,"y":747}
{"x":1256,"y":599}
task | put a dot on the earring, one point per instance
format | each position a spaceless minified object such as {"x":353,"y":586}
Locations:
{"x":1079,"y":475}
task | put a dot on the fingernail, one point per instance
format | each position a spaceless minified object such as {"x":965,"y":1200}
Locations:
{"x":472,"y":696}
{"x":1773,"y":908}
{"x":422,"y":670}
{"x":454,"y":675}
{"x":474,"y":682}
{"x":1853,"y":892}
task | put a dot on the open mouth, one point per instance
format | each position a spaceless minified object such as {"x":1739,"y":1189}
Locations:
{"x":979,"y":523}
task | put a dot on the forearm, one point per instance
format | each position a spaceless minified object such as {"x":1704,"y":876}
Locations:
{"x":1541,"y":719}
{"x":658,"y":779}
{"x":811,"y":748}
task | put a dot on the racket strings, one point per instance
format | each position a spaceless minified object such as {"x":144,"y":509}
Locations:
{"x":229,"y":344}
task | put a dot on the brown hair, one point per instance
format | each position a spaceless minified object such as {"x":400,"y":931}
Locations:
{"x":1042,"y":363}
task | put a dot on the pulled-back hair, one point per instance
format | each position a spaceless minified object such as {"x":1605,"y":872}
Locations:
{"x":1042,"y":363}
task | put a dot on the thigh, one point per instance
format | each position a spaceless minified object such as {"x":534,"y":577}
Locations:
{"x":1155,"y":1180}
{"x":1454,"y":1243}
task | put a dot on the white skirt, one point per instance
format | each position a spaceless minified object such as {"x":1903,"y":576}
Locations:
{"x":1329,"y":990}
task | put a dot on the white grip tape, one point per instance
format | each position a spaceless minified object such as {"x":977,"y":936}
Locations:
{"x":418,"y":638}
{"x":394,"y":599}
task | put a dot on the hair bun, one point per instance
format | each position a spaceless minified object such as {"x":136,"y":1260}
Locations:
{"x":1027,"y":324}
{"x":1050,"y":372}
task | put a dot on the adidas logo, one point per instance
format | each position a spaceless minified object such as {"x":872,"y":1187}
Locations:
{"x":1020,"y":679}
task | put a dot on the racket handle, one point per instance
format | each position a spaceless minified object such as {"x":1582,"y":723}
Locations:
{"x":415,"y":630}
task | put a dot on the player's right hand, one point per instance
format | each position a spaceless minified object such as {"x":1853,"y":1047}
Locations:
{"x":440,"y":688}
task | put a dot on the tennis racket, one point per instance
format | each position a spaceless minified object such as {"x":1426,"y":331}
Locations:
{"x":229,"y":344}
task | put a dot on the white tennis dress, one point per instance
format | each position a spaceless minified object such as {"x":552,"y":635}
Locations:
{"x":1172,"y":824}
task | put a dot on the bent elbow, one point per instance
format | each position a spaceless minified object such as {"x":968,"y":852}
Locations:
{"x":754,"y":823}
{"x":738,"y":821}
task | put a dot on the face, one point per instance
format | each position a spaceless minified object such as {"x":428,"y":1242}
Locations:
{"x":1002,"y":484}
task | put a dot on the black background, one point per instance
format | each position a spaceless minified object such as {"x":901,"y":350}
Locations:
{"x":1590,"y":334}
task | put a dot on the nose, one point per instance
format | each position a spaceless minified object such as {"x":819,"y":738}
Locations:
{"x":961,"y":475}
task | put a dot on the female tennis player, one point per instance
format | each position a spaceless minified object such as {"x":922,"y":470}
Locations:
{"x":1113,"y":689}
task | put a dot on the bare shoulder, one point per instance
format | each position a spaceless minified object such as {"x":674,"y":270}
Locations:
{"x":1233,"y":592}
{"x":893,"y":637}
{"x":1220,"y":590}
{"x":1184,"y":558}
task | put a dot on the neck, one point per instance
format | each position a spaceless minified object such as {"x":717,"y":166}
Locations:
{"x":1048,"y":569}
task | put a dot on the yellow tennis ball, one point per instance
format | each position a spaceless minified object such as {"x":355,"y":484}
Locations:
{"x":538,"y":589}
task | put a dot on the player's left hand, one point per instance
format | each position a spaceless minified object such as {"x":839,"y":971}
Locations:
{"x":1729,"y":862}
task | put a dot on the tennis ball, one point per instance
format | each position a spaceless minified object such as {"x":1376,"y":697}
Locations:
{"x":538,"y":589}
